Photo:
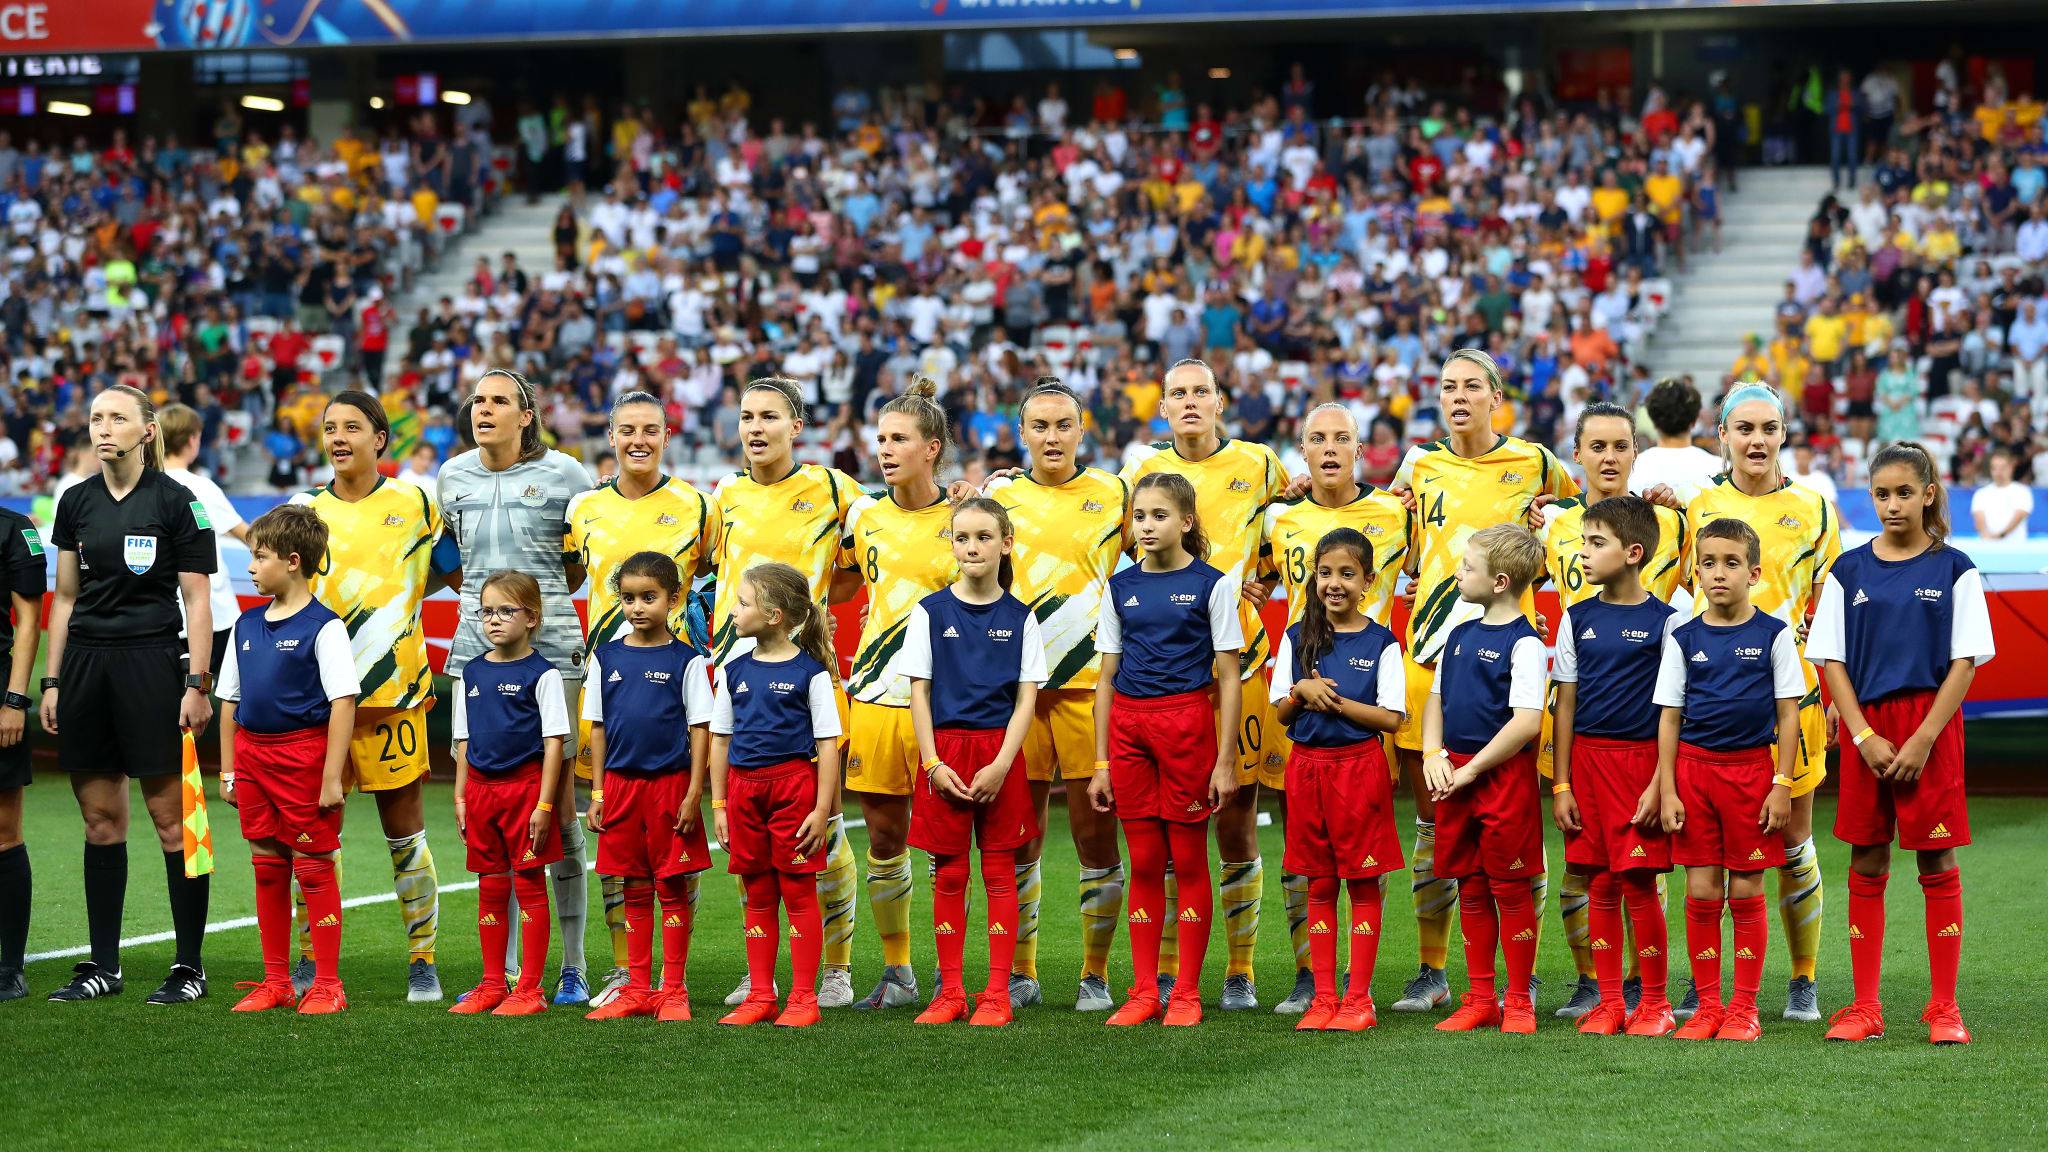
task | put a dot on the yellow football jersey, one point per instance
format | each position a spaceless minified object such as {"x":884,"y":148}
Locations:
{"x":904,"y":555}
{"x":379,"y":560}
{"x":1293,"y":530}
{"x":797,"y":520}
{"x":1069,"y":538}
{"x":605,"y":528}
{"x":1233,"y":486}
{"x":1800,"y":535}
{"x":1562,"y":535}
{"x":1455,"y":497}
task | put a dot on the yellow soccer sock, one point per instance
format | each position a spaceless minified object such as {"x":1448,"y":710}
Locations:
{"x":1169,"y":941}
{"x":613,"y":890}
{"x":1030,"y":884}
{"x":418,"y":888}
{"x":1799,"y":906}
{"x":1572,"y":901}
{"x":1436,"y":899}
{"x":838,"y":895}
{"x":889,"y":901}
{"x":1243,"y":887}
{"x":1294,"y":893}
{"x":1102,"y":905}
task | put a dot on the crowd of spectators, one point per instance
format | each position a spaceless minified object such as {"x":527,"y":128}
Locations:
{"x":235,"y":273}
{"x":1308,"y":256}
{"x":1918,"y":306}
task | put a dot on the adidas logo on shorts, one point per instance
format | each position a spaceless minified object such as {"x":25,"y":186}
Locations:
{"x":1516,"y":864}
{"x":1131,"y":603}
{"x":683,"y":856}
{"x":1190,"y":916}
{"x":329,"y":921}
{"x":1526,"y":934}
{"x":1953,"y":929}
{"x":1756,"y":853}
{"x":1587,"y":634}
{"x":1744,"y":954}
{"x":304,"y":839}
{"x":1370,"y":863}
{"x":1637,"y":853}
{"x":1699,"y":657}
{"x":1860,"y":599}
{"x":951,"y":633}
{"x":796,"y":858}
{"x":1940,"y":832}
{"x":529,"y":855}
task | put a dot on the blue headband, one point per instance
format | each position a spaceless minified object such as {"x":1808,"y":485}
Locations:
{"x":1747,"y":392}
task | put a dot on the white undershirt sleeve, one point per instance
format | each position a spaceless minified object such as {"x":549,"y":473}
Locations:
{"x":553,"y":700}
{"x":593,"y":691}
{"x":1225,"y":633}
{"x":1670,"y":690}
{"x":824,"y":712}
{"x":1565,"y":670}
{"x":337,"y":662}
{"x":1031,"y":665}
{"x":1970,"y":628}
{"x":1528,"y":683}
{"x":1393,"y":686}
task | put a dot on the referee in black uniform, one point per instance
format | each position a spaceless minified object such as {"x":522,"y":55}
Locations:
{"x":22,"y":568}
{"x":131,"y":542}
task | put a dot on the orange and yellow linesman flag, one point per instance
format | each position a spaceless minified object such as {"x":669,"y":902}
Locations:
{"x":198,"y":832}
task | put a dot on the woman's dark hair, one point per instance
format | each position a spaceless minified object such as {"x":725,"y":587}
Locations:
{"x":791,"y":393}
{"x":1673,"y":405}
{"x":1913,"y":456}
{"x":1317,"y":636}
{"x":1182,"y":494}
{"x":1051,"y":386}
{"x":1597,"y":409}
{"x":656,"y":566}
{"x":1006,"y":571}
{"x":634,"y":397}
{"x":372,"y":411}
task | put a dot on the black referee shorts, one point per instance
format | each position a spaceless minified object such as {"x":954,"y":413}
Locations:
{"x":14,"y":762}
{"x":117,"y":708}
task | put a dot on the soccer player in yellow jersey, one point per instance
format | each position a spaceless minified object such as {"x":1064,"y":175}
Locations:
{"x":901,"y":543}
{"x":1330,"y":447}
{"x":1604,"y":445}
{"x":381,"y":534}
{"x":1234,"y":481}
{"x":1069,"y":524}
{"x":1471,"y":479}
{"x":640,"y":510}
{"x":779,"y":511}
{"x":1801,"y":538}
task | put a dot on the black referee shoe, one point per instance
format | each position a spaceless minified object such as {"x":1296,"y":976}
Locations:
{"x":88,"y":982}
{"x":182,"y":986}
{"x":12,"y":986}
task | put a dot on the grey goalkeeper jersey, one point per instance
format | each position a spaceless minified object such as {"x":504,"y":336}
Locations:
{"x":515,"y":519}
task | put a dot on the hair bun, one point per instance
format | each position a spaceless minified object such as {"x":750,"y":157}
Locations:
{"x":922,"y":387}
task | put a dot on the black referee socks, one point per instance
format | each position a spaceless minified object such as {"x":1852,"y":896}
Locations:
{"x":106,"y":888}
{"x":14,"y":890}
{"x":188,"y":909}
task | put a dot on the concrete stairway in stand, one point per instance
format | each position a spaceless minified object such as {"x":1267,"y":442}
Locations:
{"x":525,"y":230}
{"x":1724,"y":296}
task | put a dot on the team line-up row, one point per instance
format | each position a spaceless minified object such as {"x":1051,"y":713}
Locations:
{"x":1668,"y":741}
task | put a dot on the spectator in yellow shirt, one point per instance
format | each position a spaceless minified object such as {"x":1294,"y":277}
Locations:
{"x":1751,"y":364}
{"x":1941,"y":244}
{"x":1827,"y":334}
{"x":1610,"y":200}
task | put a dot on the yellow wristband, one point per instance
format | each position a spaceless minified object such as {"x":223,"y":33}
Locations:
{"x":1102,"y":765}
{"x":717,"y":805}
{"x":544,"y":806}
{"x":932,"y":763}
{"x":597,"y":793}
{"x":1860,"y":737}
{"x":1782,"y":781}
{"x":1559,"y":789}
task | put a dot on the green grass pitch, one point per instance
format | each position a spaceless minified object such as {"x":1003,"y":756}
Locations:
{"x":388,"y":1074}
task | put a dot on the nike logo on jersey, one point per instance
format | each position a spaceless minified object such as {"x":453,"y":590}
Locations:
{"x":870,"y":531}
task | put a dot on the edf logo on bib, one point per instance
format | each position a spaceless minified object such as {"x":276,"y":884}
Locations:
{"x":139,"y":553}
